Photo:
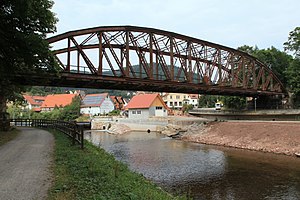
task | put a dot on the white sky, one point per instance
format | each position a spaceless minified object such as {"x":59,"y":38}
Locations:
{"x":232,"y":23}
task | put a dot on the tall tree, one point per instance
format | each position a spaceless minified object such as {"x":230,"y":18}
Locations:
{"x":277,"y":60}
{"x":293,"y":72}
{"x":293,"y":43}
{"x":23,"y":48}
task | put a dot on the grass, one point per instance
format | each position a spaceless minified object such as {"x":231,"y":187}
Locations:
{"x":6,"y":136}
{"x":92,"y":173}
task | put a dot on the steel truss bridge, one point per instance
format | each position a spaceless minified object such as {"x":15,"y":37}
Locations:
{"x":147,"y":59}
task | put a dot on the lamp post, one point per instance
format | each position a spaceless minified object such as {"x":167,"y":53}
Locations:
{"x":255,"y":104}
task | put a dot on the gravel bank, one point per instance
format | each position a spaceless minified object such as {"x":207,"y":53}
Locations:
{"x":274,"y":137}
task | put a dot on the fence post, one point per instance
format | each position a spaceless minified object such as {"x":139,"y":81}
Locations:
{"x":73,"y":135}
{"x":81,"y":136}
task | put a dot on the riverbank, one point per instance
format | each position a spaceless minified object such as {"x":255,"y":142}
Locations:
{"x":93,"y":173}
{"x":266,"y":136}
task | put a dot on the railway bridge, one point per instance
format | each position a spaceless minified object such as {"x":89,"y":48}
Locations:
{"x":139,"y":58}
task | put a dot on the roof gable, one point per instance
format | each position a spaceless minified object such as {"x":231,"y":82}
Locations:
{"x":144,"y":101}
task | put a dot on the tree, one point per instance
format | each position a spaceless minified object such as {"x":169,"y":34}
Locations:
{"x":186,"y":108}
{"x":293,"y":43}
{"x":293,"y":72}
{"x":72,"y":111}
{"x":275,"y":59}
{"x":23,"y":48}
{"x":234,"y":102}
{"x":207,"y":101}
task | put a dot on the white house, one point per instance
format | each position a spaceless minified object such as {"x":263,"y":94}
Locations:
{"x":146,"y":105}
{"x":96,"y":104}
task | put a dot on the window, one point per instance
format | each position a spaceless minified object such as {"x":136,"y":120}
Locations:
{"x":158,"y":108}
{"x":171,"y":97}
{"x":184,"y":96}
{"x":180,"y":103}
{"x":138,"y":112}
{"x":177,"y":97}
{"x":175,"y":103}
{"x":171,"y":103}
{"x":133,"y":112}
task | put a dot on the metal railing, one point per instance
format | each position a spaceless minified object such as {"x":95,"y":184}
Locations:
{"x":71,"y":129}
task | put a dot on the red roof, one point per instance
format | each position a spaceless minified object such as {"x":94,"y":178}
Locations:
{"x":144,"y":101}
{"x":194,"y":96}
{"x":58,"y":100}
{"x":34,"y":100}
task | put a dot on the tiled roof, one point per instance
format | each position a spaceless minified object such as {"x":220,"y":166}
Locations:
{"x":58,"y":100}
{"x":143,"y":101}
{"x":33,"y":99}
{"x":93,"y":100}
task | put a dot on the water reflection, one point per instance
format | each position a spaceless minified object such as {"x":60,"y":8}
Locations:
{"x":207,"y":172}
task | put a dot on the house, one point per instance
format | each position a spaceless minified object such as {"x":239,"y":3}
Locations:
{"x":194,"y":100}
{"x":118,"y":102}
{"x":96,"y":104}
{"x":146,"y":105}
{"x":34,"y":102}
{"x":177,"y":100}
{"x":57,"y":100}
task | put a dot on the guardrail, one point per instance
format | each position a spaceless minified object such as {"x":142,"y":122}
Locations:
{"x":71,"y":129}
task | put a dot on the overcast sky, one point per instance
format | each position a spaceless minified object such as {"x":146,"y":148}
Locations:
{"x":232,"y":23}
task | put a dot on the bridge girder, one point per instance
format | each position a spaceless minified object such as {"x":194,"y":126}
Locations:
{"x":137,"y":58}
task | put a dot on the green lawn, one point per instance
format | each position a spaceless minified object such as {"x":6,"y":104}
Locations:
{"x":6,"y":136}
{"x":92,"y":173}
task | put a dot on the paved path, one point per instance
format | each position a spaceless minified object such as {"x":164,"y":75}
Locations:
{"x":24,"y":165}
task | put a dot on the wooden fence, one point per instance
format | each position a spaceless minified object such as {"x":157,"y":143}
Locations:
{"x":71,"y":129}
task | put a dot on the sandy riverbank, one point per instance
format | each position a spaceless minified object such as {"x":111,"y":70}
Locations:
{"x":274,"y":137}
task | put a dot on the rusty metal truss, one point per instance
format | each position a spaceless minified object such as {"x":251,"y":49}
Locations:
{"x":137,"y":58}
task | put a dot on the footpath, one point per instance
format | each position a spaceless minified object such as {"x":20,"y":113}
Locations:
{"x":25,"y":165}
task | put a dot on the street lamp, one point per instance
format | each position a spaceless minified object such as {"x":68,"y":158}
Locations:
{"x":255,"y":104}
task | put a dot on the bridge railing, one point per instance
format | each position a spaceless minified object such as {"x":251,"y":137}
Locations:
{"x":71,"y":129}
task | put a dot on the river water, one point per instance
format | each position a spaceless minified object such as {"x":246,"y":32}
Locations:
{"x":203,"y":171}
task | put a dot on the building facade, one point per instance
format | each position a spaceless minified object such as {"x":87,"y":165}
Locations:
{"x":96,"y":104}
{"x":177,"y":100}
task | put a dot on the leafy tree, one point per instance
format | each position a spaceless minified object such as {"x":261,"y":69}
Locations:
{"x":293,"y":43}
{"x":207,"y":101}
{"x":186,"y":107}
{"x":293,"y":72}
{"x":72,"y":111}
{"x":277,"y":60}
{"x":23,"y":48}
{"x":234,"y":102}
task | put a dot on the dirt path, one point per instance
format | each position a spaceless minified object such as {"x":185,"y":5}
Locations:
{"x":24,"y":165}
{"x":275,"y":137}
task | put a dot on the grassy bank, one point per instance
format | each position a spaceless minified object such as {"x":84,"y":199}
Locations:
{"x":94,"y":174}
{"x":6,"y":136}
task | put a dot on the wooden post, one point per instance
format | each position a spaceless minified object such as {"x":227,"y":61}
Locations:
{"x":81,"y":137}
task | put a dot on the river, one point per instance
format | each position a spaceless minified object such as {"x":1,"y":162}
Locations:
{"x":203,"y":171}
